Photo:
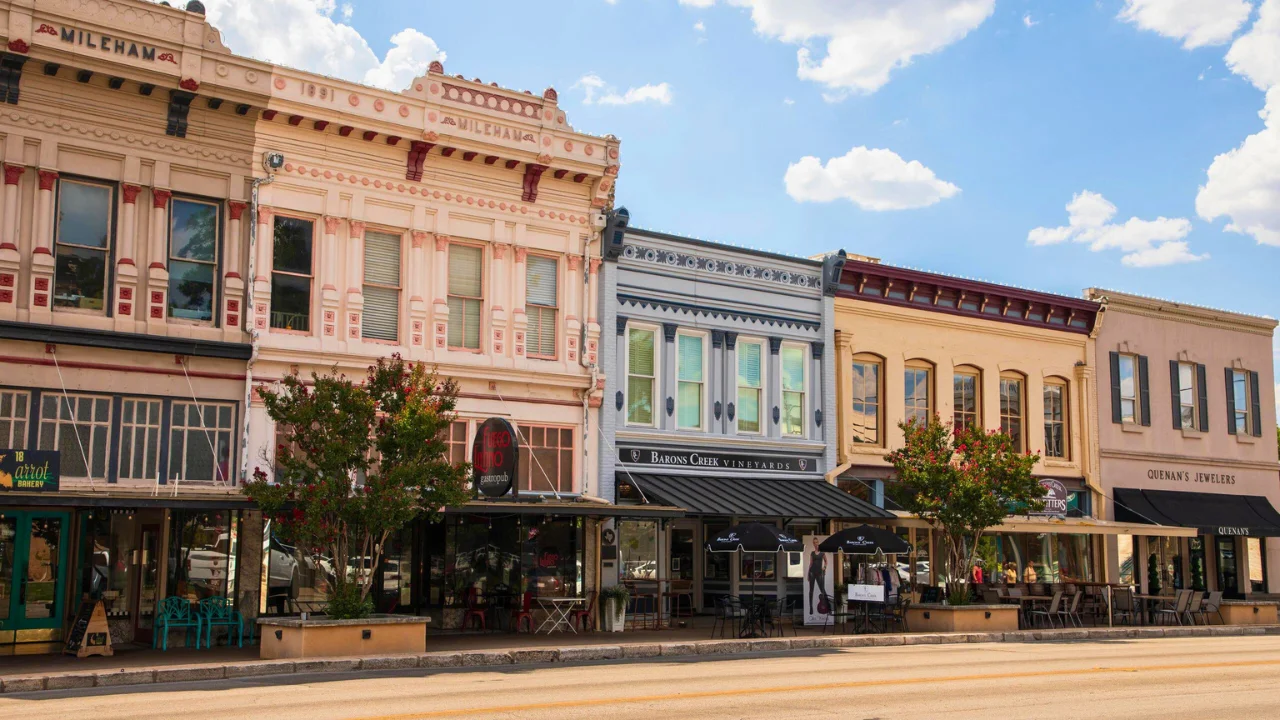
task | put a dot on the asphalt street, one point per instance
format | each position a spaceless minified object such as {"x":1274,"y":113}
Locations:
{"x":1202,"y":678}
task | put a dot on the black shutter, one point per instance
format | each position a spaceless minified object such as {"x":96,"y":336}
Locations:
{"x":1202,"y":387}
{"x":1255,"y":400}
{"x":1231,"y":404}
{"x":1175,"y":393}
{"x":1144,"y":391}
{"x":1115,"y":387}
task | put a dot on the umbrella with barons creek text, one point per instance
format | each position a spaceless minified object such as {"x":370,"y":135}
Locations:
{"x":753,"y":537}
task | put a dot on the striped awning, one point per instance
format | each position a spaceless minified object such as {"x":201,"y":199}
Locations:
{"x":753,"y":497}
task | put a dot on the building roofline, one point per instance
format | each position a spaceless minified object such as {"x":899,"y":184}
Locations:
{"x":1121,"y":301}
{"x":716,"y":245}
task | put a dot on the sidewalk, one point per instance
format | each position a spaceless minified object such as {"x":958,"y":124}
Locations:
{"x":43,"y":673}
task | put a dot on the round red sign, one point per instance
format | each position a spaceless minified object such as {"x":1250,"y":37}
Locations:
{"x":495,"y":457}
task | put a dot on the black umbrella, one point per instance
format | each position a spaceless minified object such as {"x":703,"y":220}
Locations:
{"x":865,"y":540}
{"x":753,"y":537}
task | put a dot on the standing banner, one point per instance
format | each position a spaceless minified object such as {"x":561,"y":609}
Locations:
{"x":819,"y":581}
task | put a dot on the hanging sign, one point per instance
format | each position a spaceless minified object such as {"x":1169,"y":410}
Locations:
{"x":1055,"y":498}
{"x":495,"y":459}
{"x":29,"y":470}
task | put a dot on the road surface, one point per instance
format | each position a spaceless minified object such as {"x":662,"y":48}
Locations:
{"x":1202,"y":678}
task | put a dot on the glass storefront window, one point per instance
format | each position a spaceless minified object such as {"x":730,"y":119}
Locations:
{"x":715,"y":564}
{"x":202,"y":551}
{"x":1125,"y":546}
{"x":111,"y":540}
{"x":1197,"y":562}
{"x":1164,"y":564}
{"x":758,"y":566}
{"x":1257,"y":565}
{"x":638,"y":549}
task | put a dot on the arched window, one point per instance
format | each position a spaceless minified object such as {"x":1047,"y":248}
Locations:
{"x":1057,"y":441}
{"x":967,"y":395}
{"x":865,"y":404}
{"x":1013,"y":408}
{"x":918,"y":391}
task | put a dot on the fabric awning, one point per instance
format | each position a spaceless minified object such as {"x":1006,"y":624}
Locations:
{"x":576,"y":509}
{"x":1208,"y":513}
{"x":1065,"y":526}
{"x":754,"y":497}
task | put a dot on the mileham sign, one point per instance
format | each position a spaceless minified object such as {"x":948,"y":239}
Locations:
{"x":695,"y":459}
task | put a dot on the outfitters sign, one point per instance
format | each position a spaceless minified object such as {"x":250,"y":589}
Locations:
{"x":714,"y":461}
{"x":29,"y":470}
{"x":1055,"y":497}
{"x":495,"y":459}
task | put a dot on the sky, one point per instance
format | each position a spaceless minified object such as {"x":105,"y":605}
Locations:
{"x":1048,"y":144}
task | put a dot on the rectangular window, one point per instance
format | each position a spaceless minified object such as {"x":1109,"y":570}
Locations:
{"x":1124,"y":544}
{"x":540,"y":306}
{"x":291,"y":274}
{"x":750,"y":385}
{"x":1011,"y":410}
{"x":641,"y":375}
{"x":1187,"y":405}
{"x":1128,"y":389}
{"x":866,"y":402}
{"x":916,"y":395}
{"x":1055,"y":420}
{"x":202,"y":554}
{"x":793,"y":390}
{"x":13,"y":419}
{"x":1240,"y":404}
{"x":139,"y":439}
{"x":466,"y":264}
{"x":200,"y":442}
{"x":78,"y":426}
{"x":193,"y":259}
{"x":381,"y":319}
{"x":458,"y":452}
{"x":967,"y":394}
{"x":548,"y":459}
{"x":82,"y":239}
{"x":689,"y":381}
{"x":1257,"y":564}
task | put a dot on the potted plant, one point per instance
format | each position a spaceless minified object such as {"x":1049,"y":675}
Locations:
{"x":613,"y":601}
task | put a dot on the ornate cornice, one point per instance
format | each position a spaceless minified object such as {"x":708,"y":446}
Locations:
{"x":157,"y":143}
{"x":750,"y":271}
{"x":716,"y":314}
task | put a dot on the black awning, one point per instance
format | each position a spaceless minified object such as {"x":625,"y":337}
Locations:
{"x":230,"y":502}
{"x":1209,"y":513}
{"x":754,"y":497}
{"x":576,"y":509}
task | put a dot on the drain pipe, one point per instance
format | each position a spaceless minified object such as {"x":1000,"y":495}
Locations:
{"x":582,"y":354}
{"x":271,"y":162}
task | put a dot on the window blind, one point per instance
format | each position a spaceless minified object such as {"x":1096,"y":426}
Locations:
{"x":464,"y":323}
{"x":640,"y":355}
{"x":793,"y":369}
{"x":690,"y":354}
{"x":381,"y":319}
{"x":540,"y":281}
{"x":749,"y":364}
{"x":382,"y":259}
{"x":465,"y":264}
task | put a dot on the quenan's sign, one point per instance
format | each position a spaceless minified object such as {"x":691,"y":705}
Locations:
{"x":495,"y":459}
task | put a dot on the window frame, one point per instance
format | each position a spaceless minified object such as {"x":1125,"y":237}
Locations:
{"x":879,"y":363}
{"x":1242,"y":410}
{"x":218,"y":243}
{"x":59,"y":423}
{"x":107,"y":251}
{"x":655,"y":331}
{"x":1015,"y":377}
{"x":15,"y":441}
{"x":703,"y":384}
{"x":524,"y":432}
{"x":976,"y":374}
{"x":1132,"y":359}
{"x":1195,"y":396}
{"x":762,"y":403}
{"x":908,"y":410}
{"x":398,"y":287}
{"x":1063,"y":386}
{"x":187,"y":429}
{"x":553,"y":309}
{"x":310,"y":277}
{"x":133,"y":426}
{"x":464,"y":298}
{"x":803,"y":392}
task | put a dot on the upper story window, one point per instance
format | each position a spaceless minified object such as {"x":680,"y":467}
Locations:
{"x":750,"y":354}
{"x":794,"y":393}
{"x":466,"y":295}
{"x":456,"y":440}
{"x":78,"y":426}
{"x":917,"y":394}
{"x":139,"y":439}
{"x":14,"y":408}
{"x":1187,"y":385}
{"x":1011,"y":417}
{"x":1055,"y":419}
{"x":865,"y":408}
{"x":1130,"y":389}
{"x":690,"y":387}
{"x":967,"y":399}
{"x":641,"y":375}
{"x":540,"y":306}
{"x":1244,"y":407}
{"x":200,"y":442}
{"x":291,"y":274}
{"x":381,"y":318}
{"x":83,"y":243}
{"x":193,"y":259}
{"x":549,"y":465}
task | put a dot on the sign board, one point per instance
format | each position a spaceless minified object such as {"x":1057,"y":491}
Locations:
{"x":663,"y":457}
{"x":495,"y":459}
{"x":818,"y":572}
{"x":29,"y":470}
{"x":1055,"y":498}
{"x":866,"y":593}
{"x":89,"y":634}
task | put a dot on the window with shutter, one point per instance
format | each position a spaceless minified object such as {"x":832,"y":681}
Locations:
{"x":381,"y":319}
{"x":466,"y":296}
{"x":750,"y":385}
{"x":1255,"y":404}
{"x":1185,"y":396}
{"x":641,"y":376}
{"x":1240,"y":403}
{"x":793,"y":390}
{"x":540,"y":306}
{"x":1127,"y":374}
{"x":689,"y":381}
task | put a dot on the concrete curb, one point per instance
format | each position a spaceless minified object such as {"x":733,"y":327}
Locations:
{"x":586,"y":653}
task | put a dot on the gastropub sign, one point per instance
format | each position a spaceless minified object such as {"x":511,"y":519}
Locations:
{"x":495,"y":459}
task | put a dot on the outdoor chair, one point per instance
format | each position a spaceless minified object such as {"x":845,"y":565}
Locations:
{"x":728,"y":613}
{"x":586,"y":619}
{"x":174,"y":613}
{"x":1072,"y":611}
{"x":1212,"y":604}
{"x":1049,"y":613}
{"x":991,"y":597}
{"x":679,"y":596}
{"x":778,"y":611}
{"x":894,"y":613}
{"x":643,"y":610}
{"x":1123,"y":605}
{"x":474,"y":615}
{"x":1177,"y":609}
{"x":218,"y":611}
{"x":523,"y":614}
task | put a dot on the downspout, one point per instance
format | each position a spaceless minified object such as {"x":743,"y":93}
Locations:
{"x":594,"y":369}
{"x":248,"y":317}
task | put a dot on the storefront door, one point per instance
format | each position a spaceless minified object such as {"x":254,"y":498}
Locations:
{"x":682,"y":548}
{"x":33,"y":566}
{"x":148,"y":582}
{"x":1228,"y":575}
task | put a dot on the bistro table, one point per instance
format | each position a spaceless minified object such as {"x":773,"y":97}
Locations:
{"x":558,"y":611}
{"x":757,"y":612}
{"x":1149,"y":603}
{"x":1026,"y":602}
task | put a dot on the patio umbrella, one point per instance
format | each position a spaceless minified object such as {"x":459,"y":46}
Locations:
{"x":753,"y":537}
{"x":865,"y":540}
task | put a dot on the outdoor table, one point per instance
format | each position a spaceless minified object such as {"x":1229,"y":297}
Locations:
{"x":497,"y":606}
{"x":757,"y":610}
{"x":1149,"y":603}
{"x":558,"y":610}
{"x":1028,"y":600}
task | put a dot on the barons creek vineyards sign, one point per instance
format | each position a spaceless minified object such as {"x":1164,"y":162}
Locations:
{"x":495,"y":458}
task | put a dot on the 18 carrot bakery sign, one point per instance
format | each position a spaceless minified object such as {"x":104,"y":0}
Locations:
{"x":30,"y":470}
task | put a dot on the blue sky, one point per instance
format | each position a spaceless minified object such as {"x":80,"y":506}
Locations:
{"x":965,"y":132}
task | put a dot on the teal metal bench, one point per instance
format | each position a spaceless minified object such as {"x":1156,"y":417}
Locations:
{"x":218,"y":612}
{"x":174,"y":613}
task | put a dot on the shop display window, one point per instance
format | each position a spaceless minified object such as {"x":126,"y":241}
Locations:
{"x":111,"y":544}
{"x":202,"y":554}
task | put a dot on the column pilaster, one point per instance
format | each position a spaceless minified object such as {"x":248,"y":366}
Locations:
{"x":355,"y":274}
{"x":233,"y":282}
{"x":844,"y":394}
{"x":262,"y":269}
{"x":10,"y":258}
{"x":157,"y":270}
{"x":418,"y":310}
{"x":42,"y":264}
{"x":498,"y":320}
{"x":126,"y":284}
{"x":520,"y":321}
{"x":440,"y":295}
{"x":592,"y":349}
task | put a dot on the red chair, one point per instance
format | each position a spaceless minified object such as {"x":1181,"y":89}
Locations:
{"x":586,"y":619}
{"x":525,"y":613}
{"x":474,"y":613}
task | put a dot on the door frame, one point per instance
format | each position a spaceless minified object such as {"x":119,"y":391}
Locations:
{"x":693,"y":526}
{"x":17,"y":620}
{"x":141,"y":634}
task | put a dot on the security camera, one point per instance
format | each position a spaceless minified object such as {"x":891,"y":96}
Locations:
{"x":272,"y":161}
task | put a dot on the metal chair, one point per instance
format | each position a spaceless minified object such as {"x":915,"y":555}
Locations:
{"x":586,"y":619}
{"x":1072,"y":611}
{"x":728,"y":612}
{"x":1049,"y":613}
{"x":474,"y":614}
{"x":1212,"y":604}
{"x":220,"y":612}
{"x":1122,"y":605}
{"x":1177,"y":609}
{"x":1197,"y":601}
{"x":524,"y":614}
{"x":174,"y":613}
{"x":679,"y":596}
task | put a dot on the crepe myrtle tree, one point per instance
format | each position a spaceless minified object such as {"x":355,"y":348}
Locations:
{"x":354,"y":464}
{"x":962,"y":481}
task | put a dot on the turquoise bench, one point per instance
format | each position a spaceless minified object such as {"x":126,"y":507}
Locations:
{"x":218,"y":612}
{"x":172,"y":614}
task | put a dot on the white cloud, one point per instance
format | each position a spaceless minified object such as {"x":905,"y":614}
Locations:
{"x":872,"y":179}
{"x":864,"y":40}
{"x":1195,"y":22}
{"x":1146,"y":243}
{"x":347,"y":11}
{"x":1026,"y":20}
{"x":1256,"y":54}
{"x":303,"y":34}
{"x":597,"y":92}
{"x":699,"y":26}
{"x":788,"y":101}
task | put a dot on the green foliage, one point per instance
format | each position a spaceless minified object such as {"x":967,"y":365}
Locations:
{"x":962,"y":482}
{"x":1153,"y":574}
{"x":357,"y":463}
{"x":617,"y":594}
{"x":958,"y":594}
{"x":348,"y":602}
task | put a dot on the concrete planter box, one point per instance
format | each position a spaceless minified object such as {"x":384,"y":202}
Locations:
{"x":374,"y":635}
{"x":962,"y":618}
{"x":1245,"y":612}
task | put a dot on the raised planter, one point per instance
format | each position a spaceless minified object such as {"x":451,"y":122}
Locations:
{"x":962,"y":618}
{"x":314,"y":638}
{"x":1247,"y":612}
